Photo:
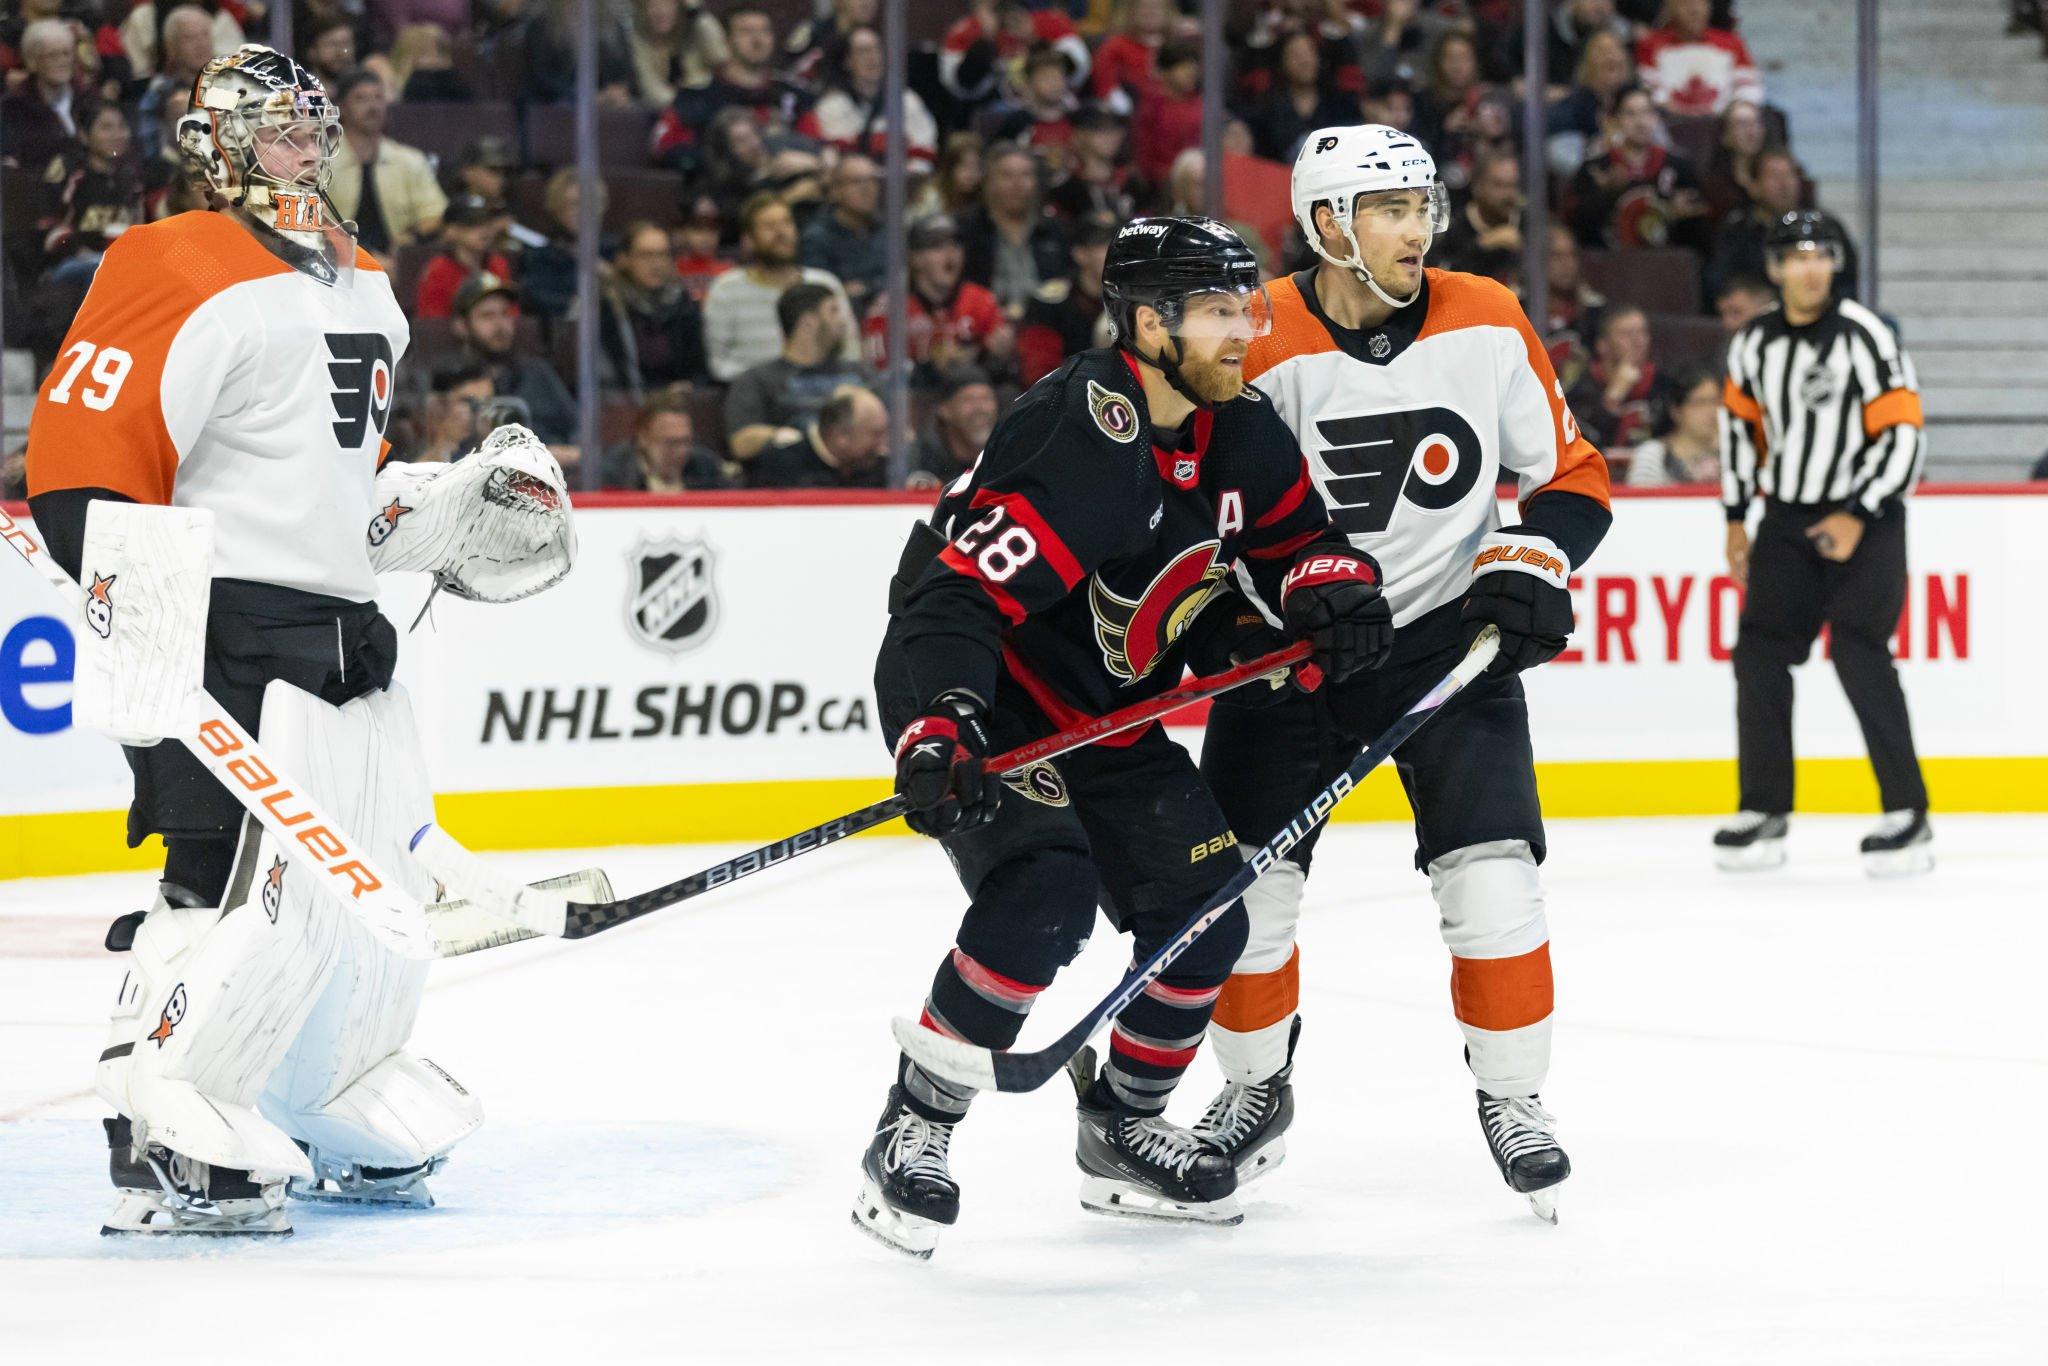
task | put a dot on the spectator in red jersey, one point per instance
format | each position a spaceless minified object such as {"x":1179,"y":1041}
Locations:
{"x":1040,"y":114}
{"x":1623,"y":397}
{"x":849,"y":116}
{"x":962,"y":419}
{"x":1576,"y":124}
{"x":698,"y":261}
{"x":1097,"y":179}
{"x":747,"y":80}
{"x":1013,"y":246}
{"x":1691,"y":68}
{"x":949,"y":320}
{"x":652,"y":331}
{"x":1066,"y":315}
{"x":1300,"y":101}
{"x":980,"y":51}
{"x":1169,"y":118}
{"x":1124,"y":61}
{"x":470,"y":233}
{"x":1636,"y":193}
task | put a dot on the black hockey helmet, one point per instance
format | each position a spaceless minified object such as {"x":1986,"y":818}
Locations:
{"x":1162,"y":263}
{"x":1806,"y":230}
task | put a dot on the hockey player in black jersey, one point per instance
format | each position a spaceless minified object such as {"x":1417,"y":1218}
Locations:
{"x":1062,"y":577}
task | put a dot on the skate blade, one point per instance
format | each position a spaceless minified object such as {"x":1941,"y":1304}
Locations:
{"x":1544,"y":1203}
{"x":1911,"y":861}
{"x":1261,"y":1162}
{"x":1757,"y":858}
{"x":1101,"y":1195}
{"x":905,"y":1233}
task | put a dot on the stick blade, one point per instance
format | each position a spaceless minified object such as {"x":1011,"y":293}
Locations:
{"x":469,"y":877}
{"x":460,"y":926}
{"x":955,"y":1060}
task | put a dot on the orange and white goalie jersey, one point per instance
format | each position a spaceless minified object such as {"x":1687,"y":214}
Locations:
{"x":203,"y":371}
{"x":1408,"y":426}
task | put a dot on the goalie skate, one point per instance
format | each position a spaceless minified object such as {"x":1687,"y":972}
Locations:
{"x":343,"y":1183}
{"x":166,"y":1193}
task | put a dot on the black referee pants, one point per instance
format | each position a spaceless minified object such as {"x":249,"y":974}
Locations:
{"x":1793,"y":590}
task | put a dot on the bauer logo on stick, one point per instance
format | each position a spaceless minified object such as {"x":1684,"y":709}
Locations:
{"x":673,"y":605}
{"x":99,"y":606}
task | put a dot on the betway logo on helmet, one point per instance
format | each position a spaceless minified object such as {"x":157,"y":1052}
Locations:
{"x":1142,"y":229}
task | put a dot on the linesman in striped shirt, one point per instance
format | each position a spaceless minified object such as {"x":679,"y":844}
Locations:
{"x":1821,"y":416}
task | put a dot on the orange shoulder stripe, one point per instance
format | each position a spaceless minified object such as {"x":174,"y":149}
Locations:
{"x":1892,"y":408}
{"x":1457,"y":300}
{"x":1295,"y":331}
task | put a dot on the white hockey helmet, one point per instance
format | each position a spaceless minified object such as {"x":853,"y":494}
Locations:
{"x":1338,"y":166}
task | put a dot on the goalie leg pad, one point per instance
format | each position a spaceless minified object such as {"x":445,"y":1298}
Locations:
{"x":1490,"y":898}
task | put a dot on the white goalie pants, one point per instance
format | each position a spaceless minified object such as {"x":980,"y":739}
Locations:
{"x":277,"y":1016}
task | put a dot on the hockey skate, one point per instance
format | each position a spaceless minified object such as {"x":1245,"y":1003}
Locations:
{"x":1247,"y":1122}
{"x":1523,"y":1138}
{"x":1754,"y":840}
{"x":1901,"y":846}
{"x":907,"y":1194}
{"x":1143,"y":1166}
{"x":164,"y":1193}
{"x":344,"y":1183}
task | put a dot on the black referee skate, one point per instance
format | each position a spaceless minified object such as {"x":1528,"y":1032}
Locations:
{"x":1902,"y":845}
{"x":1247,"y":1122}
{"x":1753,"y":840}
{"x":1523,"y":1138}
{"x":907,"y":1194}
{"x":1142,"y":1165}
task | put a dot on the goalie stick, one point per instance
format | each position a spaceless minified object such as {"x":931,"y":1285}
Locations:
{"x":542,"y":913}
{"x":226,"y":749}
{"x":985,"y":1069}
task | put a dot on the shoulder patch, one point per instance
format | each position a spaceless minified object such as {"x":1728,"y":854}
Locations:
{"x":1115,"y":414}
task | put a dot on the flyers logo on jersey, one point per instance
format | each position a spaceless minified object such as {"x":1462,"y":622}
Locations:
{"x":1429,"y":458}
{"x":1135,"y":633}
{"x":361,"y":372}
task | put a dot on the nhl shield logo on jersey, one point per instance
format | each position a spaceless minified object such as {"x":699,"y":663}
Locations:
{"x":1380,"y":346}
{"x":673,"y":605}
{"x":1039,"y":782}
{"x":1817,"y":387}
{"x":361,"y":372}
{"x":1135,"y":633}
{"x":1114,"y":413}
{"x":273,"y":888}
{"x":99,"y":605}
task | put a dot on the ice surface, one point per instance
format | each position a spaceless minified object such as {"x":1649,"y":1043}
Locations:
{"x":1806,"y":1112}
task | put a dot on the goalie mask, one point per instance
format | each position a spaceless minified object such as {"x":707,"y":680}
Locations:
{"x":262,"y":135}
{"x":1342,"y":166}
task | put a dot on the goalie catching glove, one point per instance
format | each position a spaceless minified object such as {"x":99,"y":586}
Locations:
{"x":1519,"y":583}
{"x":1331,"y":598}
{"x":938,"y":767}
{"x":493,"y":527}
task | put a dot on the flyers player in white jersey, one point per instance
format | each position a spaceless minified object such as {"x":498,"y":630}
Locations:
{"x":232,"y":369}
{"x":1412,"y":392}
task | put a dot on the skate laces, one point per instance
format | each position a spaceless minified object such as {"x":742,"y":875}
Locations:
{"x":1155,"y":1140}
{"x":1895,"y":823}
{"x":918,"y":1147}
{"x":1234,"y":1113}
{"x":1747,"y":821}
{"x":1519,"y":1125}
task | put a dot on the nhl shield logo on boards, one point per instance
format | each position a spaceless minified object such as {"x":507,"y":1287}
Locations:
{"x":673,"y":605}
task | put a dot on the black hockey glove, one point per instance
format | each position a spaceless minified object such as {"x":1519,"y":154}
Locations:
{"x":938,"y":767}
{"x":1230,"y":632}
{"x":1331,"y":598}
{"x":1518,"y":585}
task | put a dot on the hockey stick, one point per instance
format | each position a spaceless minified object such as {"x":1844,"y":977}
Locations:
{"x":283,"y":807}
{"x":986,"y":1069}
{"x":540,"y":912}
{"x":460,"y":926}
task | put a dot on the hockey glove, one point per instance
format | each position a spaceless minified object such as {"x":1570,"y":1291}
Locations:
{"x":1231,"y":632}
{"x":1331,"y":598}
{"x":1518,"y":585}
{"x":938,"y":767}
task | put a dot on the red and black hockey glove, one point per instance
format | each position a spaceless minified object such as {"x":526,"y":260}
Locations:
{"x":1331,"y":598}
{"x":938,"y":767}
{"x":1519,"y":585}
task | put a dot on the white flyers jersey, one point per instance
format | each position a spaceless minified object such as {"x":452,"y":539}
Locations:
{"x":1407,"y":427}
{"x":203,"y":371}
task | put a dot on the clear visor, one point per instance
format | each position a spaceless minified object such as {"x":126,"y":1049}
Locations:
{"x":1237,"y":314}
{"x":1402,"y":212}
{"x":1808,"y":247}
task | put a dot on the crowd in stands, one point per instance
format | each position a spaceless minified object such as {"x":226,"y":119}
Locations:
{"x":742,"y":302}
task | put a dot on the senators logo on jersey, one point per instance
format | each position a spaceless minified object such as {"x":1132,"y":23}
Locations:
{"x":361,"y":371}
{"x":1135,"y":632}
{"x":1429,"y":457}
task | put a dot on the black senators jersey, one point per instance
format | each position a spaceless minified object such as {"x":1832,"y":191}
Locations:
{"x":1082,"y":543}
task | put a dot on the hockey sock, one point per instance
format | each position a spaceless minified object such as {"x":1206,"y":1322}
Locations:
{"x":972,"y":1001}
{"x":1153,"y":1042}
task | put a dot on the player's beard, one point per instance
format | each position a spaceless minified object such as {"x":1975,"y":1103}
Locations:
{"x":1212,"y":380}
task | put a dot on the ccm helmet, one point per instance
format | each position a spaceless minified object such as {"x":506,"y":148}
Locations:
{"x":234,"y":100}
{"x":1805,"y":230}
{"x":1340,"y":166}
{"x":1162,"y":263}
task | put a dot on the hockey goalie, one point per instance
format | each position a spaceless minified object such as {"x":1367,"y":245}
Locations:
{"x":207,"y":458}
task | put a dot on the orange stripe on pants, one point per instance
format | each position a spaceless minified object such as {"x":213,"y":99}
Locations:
{"x":1500,"y":993}
{"x":1253,"y":1000}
